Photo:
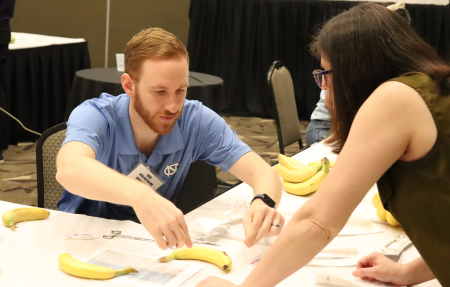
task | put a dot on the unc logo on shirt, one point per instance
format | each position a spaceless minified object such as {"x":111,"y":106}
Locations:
{"x":171,"y":169}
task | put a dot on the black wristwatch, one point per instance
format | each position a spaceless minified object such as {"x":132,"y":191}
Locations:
{"x":267,"y":200}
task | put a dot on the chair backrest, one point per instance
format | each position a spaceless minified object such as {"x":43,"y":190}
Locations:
{"x":48,"y":144}
{"x":286,"y":117}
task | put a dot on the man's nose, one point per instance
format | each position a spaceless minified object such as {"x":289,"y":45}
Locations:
{"x":171,"y":104}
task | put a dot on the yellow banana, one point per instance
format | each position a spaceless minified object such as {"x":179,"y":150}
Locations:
{"x":382,"y":213}
{"x":391,"y":220}
{"x":312,"y":184}
{"x":300,"y":175}
{"x":318,"y":162}
{"x":375,"y":200}
{"x":91,"y":271}
{"x":207,"y":254}
{"x":289,"y":163}
{"x":10,"y":218}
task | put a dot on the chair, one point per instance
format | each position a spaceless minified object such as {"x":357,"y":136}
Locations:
{"x":47,"y":147}
{"x":286,"y":117}
{"x":198,"y":188}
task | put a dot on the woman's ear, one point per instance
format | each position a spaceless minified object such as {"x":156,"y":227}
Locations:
{"x":128,"y":85}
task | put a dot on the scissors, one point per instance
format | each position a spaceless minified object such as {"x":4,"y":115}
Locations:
{"x":118,"y":234}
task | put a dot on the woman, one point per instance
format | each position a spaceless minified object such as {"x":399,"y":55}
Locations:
{"x":389,"y":99}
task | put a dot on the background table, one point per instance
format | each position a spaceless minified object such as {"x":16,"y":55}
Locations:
{"x":90,"y":83}
{"x":40,"y":70}
{"x":30,"y":254}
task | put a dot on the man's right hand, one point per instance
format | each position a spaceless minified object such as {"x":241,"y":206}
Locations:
{"x":163,"y":220}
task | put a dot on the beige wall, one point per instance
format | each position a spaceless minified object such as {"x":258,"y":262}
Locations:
{"x":87,"y":19}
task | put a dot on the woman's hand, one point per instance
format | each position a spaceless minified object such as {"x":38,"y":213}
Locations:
{"x":213,"y":281}
{"x":380,"y":268}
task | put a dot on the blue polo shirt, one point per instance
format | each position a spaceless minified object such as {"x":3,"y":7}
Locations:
{"x":104,"y":124}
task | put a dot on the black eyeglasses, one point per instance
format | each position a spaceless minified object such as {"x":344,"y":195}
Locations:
{"x":320,"y":77}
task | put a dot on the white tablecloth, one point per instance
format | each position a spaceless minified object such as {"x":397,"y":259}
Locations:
{"x":26,"y":40}
{"x":29,"y":255}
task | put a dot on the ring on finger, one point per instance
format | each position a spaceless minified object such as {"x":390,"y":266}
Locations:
{"x":276,"y":225}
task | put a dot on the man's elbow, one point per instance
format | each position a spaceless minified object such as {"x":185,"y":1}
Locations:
{"x":62,"y":170}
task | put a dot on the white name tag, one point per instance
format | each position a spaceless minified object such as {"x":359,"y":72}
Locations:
{"x":143,"y":173}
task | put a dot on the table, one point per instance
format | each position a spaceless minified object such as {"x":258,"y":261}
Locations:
{"x":90,"y":83}
{"x":40,"y":70}
{"x":30,"y":254}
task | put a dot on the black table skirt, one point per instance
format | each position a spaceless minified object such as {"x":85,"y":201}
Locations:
{"x":238,"y":40}
{"x":90,"y":83}
{"x":37,"y":86}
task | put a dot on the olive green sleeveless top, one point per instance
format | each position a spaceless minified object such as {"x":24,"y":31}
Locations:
{"x":418,"y":193}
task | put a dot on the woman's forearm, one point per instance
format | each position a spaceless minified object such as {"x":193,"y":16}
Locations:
{"x":416,"y":272}
{"x":299,"y":242}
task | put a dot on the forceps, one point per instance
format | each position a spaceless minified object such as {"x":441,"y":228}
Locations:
{"x":117,"y":233}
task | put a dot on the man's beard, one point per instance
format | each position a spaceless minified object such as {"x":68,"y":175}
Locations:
{"x":153,"y":121}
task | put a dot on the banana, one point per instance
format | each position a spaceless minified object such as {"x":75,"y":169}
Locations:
{"x":375,"y":200}
{"x":91,"y":271}
{"x":382,"y":213}
{"x":312,"y":184}
{"x":289,"y":163}
{"x":318,"y":162}
{"x":391,"y":220}
{"x":300,"y":175}
{"x":10,"y":218}
{"x":207,"y":254}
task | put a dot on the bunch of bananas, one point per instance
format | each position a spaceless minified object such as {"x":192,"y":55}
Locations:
{"x":90,"y":271}
{"x":299,"y":178}
{"x":10,"y":218}
{"x":382,"y":213}
{"x":207,"y":254}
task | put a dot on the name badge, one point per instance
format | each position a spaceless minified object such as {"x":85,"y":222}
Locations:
{"x":143,"y":173}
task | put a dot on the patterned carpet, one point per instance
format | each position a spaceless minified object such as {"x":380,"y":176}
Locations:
{"x":18,"y":172}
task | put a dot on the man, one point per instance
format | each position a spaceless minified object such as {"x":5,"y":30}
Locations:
{"x":154,"y":125}
{"x":6,"y":13}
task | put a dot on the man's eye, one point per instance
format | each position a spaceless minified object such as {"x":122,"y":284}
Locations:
{"x":160,"y":92}
{"x":181,"y":91}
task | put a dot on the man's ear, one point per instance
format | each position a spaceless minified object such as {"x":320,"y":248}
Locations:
{"x":128,"y":85}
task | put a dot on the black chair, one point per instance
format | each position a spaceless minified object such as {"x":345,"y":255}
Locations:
{"x":48,"y":144}
{"x":286,"y":117}
{"x":199,"y":186}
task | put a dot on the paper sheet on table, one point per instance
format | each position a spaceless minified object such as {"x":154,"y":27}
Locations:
{"x":152,"y":273}
{"x":333,"y":257}
{"x":359,"y":225}
{"x":353,"y":280}
{"x":204,"y":226}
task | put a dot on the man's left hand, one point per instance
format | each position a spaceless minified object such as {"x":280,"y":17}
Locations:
{"x":261,"y":221}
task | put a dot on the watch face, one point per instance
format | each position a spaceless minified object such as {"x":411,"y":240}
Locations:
{"x":267,"y":200}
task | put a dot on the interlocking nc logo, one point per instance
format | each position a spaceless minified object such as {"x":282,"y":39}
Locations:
{"x":171,"y":169}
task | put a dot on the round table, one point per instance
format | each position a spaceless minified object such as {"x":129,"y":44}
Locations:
{"x":90,"y":83}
